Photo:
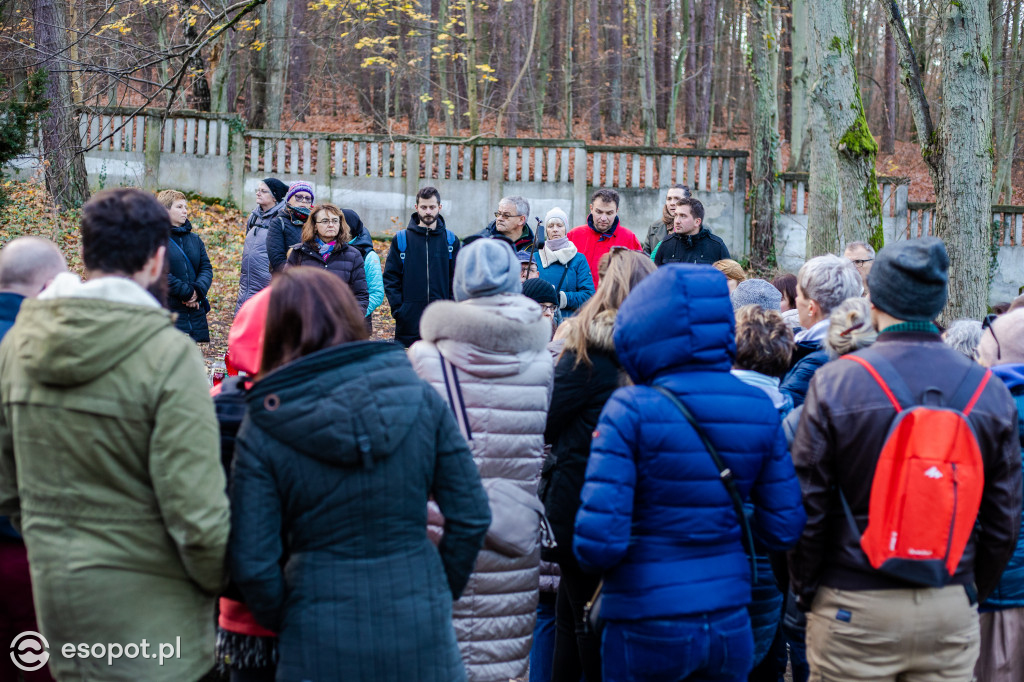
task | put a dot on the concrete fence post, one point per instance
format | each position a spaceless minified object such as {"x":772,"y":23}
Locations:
{"x":236,"y":158}
{"x":151,"y":152}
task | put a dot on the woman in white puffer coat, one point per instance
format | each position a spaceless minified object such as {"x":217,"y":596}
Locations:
{"x":493,"y":344}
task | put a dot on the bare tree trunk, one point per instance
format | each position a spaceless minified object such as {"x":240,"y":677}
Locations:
{"x":1006,"y":134}
{"x":66,"y":179}
{"x":256,"y":93}
{"x":889,"y":101}
{"x":663,"y":58}
{"x":707,"y":52}
{"x":690,"y":88}
{"x":516,"y":39}
{"x":298,"y":67}
{"x":677,"y":77}
{"x":847,"y":128}
{"x":823,"y":209}
{"x":764,"y":133}
{"x":958,"y":153}
{"x":648,"y":96}
{"x":786,"y":75}
{"x":199,"y":93}
{"x":799,"y":155}
{"x":472,"y":100}
{"x":543,"y":72}
{"x":567,"y":67}
{"x":613,"y":125}
{"x":277,"y":67}
{"x":596,"y":91}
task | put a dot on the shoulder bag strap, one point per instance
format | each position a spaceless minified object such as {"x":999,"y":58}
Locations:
{"x":191,"y":268}
{"x":724,"y":473}
{"x":565,"y":271}
{"x":455,"y":400}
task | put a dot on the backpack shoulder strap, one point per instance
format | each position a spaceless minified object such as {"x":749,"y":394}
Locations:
{"x":451,"y":242}
{"x":970,"y":389}
{"x":724,"y":474}
{"x":401,"y":242}
{"x":886,"y":376}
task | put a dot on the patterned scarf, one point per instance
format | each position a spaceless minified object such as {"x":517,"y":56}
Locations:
{"x":325,"y":248}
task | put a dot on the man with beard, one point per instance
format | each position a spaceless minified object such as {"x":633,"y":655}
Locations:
{"x":109,"y":456}
{"x":420,"y":266}
{"x":663,"y":225}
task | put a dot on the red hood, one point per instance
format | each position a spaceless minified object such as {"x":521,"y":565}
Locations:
{"x":245,"y":340}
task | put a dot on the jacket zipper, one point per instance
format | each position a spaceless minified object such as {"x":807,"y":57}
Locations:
{"x":426,"y":242}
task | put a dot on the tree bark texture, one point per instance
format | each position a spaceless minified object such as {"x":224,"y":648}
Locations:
{"x":838,"y":92}
{"x":799,"y":156}
{"x":277,"y":56}
{"x":66,"y":179}
{"x":690,"y":86}
{"x":707,"y":52}
{"x":648,"y":95}
{"x":298,"y":64}
{"x":764,"y":133}
{"x":889,"y":90}
{"x":472,"y":98}
{"x":596,"y":91}
{"x":256,"y":92}
{"x":613,"y":125}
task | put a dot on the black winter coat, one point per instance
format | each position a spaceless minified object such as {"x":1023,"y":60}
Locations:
{"x":578,"y":396}
{"x":424,"y":276}
{"x":189,"y":270}
{"x":703,"y":247}
{"x":284,"y":230}
{"x":345,"y":261}
{"x":845,"y":422}
{"x":329,"y":498}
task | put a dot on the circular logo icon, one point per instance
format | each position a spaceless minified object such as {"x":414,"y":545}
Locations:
{"x":29,"y":651}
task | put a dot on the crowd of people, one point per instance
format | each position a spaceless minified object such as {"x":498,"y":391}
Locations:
{"x":586,"y":456}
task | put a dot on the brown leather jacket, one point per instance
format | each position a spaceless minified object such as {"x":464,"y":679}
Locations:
{"x":845,"y":423}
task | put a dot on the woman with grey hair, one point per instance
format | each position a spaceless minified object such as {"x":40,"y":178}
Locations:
{"x":964,"y":336}
{"x":821,"y":285}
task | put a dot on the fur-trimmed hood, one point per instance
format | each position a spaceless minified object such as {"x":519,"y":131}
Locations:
{"x":488,"y":336}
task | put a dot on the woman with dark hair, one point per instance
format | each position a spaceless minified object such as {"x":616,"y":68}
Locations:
{"x":325,"y":244}
{"x":786,"y":284}
{"x":340,"y":449}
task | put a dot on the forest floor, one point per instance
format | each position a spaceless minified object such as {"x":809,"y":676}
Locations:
{"x":222,"y":230}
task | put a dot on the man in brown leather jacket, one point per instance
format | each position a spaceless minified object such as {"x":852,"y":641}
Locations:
{"x":863,"y":624}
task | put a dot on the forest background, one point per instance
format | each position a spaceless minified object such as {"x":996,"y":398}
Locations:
{"x":863,"y":82}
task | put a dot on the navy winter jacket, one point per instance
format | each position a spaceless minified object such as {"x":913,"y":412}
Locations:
{"x":189,"y":270}
{"x":425,"y":275}
{"x":704,"y":247}
{"x":1009,"y":594}
{"x":807,"y":358}
{"x":655,"y":518}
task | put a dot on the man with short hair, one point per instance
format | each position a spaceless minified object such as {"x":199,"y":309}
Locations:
{"x":602,"y":232}
{"x":657,"y":232}
{"x":861,"y":254}
{"x":864,"y":623}
{"x":690,"y":241}
{"x":109,"y":458}
{"x":420,"y":266}
{"x":27,"y":266}
{"x":512,"y":222}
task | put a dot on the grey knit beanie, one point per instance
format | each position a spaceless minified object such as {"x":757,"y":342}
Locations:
{"x":756,"y":292}
{"x":486,"y":267}
{"x":909,"y":279}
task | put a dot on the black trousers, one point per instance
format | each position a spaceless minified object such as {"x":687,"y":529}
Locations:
{"x":576,"y":651}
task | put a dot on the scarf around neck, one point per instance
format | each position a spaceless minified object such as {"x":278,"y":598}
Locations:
{"x":560,"y":250}
{"x":325,"y":248}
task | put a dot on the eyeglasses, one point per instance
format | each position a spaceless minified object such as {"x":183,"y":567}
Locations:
{"x":861,"y":261}
{"x":987,"y":324}
{"x":506,"y":216}
{"x":548,"y":307}
{"x":260,"y":190}
{"x":300,"y":199}
{"x":329,"y":221}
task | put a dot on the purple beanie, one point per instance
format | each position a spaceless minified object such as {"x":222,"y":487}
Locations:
{"x":300,"y":186}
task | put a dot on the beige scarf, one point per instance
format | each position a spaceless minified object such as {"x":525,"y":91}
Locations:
{"x":563,"y":255}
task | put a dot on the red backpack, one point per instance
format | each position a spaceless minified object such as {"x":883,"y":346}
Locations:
{"x":928,"y":481}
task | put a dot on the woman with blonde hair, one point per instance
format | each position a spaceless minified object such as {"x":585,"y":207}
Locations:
{"x":733,"y":272}
{"x":325,"y":237}
{"x":189,"y":273}
{"x":587,"y":373}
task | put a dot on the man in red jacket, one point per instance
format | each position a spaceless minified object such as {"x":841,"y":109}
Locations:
{"x":602,"y":231}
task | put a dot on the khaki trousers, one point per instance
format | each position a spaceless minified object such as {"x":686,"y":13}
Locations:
{"x":904,"y":635}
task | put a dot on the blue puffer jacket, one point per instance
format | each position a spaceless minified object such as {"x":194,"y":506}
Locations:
{"x":807,"y":358}
{"x":1010,"y":592}
{"x":655,"y":518}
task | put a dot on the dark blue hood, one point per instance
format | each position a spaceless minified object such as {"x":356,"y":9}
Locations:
{"x":1012,"y":375}
{"x":677,"y":320}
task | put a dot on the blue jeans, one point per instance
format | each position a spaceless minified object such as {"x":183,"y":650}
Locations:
{"x":712,"y":646}
{"x":542,"y":653}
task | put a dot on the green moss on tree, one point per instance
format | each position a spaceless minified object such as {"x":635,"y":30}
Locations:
{"x":858,"y":140}
{"x":873,"y":200}
{"x":837,"y":45}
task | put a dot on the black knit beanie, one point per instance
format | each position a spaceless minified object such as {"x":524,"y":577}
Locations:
{"x":908,"y":279}
{"x":277,"y":188}
{"x":540,"y":291}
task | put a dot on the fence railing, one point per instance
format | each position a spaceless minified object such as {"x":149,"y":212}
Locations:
{"x":1007,"y":220}
{"x":894,"y":193}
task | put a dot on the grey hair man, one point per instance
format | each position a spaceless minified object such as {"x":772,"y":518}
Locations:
{"x":821,"y":285}
{"x":862,"y":255}
{"x":511,"y":222}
